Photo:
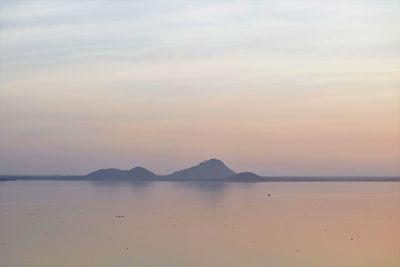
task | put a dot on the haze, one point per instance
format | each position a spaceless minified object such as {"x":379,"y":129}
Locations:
{"x":275,"y":87}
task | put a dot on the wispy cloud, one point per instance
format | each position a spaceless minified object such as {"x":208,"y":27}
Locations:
{"x":77,"y":67}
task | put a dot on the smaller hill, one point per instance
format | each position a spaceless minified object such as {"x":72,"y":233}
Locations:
{"x":140,"y":172}
{"x":245,"y":177}
{"x":110,"y":172}
{"x":133,"y":174}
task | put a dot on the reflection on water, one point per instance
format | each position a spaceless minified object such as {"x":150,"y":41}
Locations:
{"x":47,"y":223}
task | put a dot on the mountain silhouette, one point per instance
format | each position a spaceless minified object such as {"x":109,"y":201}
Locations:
{"x":244,"y":176}
{"x":135,"y":173}
{"x":141,"y":172}
{"x":209,"y":169}
{"x":206,"y":170}
{"x":110,"y":172}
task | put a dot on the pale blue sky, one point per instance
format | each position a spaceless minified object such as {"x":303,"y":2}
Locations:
{"x":276,"y":87}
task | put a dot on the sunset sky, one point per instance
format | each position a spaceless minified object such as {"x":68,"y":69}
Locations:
{"x":273,"y":87}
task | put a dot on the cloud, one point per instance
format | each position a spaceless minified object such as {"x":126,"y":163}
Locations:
{"x":166,"y":68}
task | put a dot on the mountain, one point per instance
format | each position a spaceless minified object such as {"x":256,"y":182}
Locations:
{"x":245,"y":176}
{"x":212,"y":169}
{"x":206,"y":170}
{"x":111,"y":172}
{"x":140,"y":172}
{"x":209,"y":169}
{"x":134,"y":174}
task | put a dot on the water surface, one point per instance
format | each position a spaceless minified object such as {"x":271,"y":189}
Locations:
{"x":86,"y":224}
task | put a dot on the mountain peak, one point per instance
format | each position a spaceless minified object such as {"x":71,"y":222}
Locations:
{"x":212,"y":161}
{"x":141,"y":172}
{"x":209,"y":169}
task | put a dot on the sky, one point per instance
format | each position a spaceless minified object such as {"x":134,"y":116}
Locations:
{"x":273,"y":87}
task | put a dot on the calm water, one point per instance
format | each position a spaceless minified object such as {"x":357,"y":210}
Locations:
{"x":46,"y":223}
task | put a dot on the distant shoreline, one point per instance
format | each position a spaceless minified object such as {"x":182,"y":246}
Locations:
{"x":212,"y":170}
{"x":169,"y":179}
